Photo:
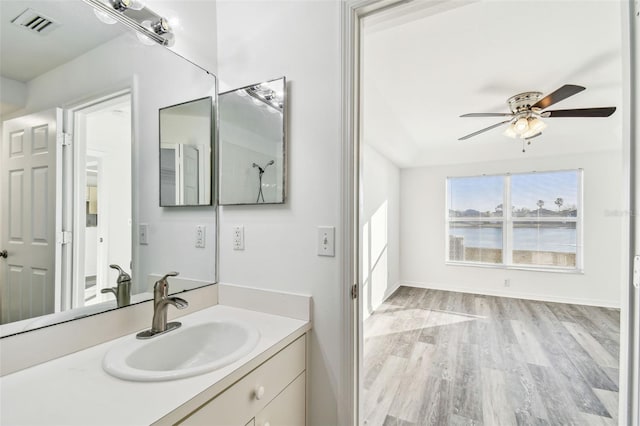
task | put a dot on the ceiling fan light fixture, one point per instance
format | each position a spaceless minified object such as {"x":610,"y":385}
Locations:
{"x":521,"y":125}
{"x":535,"y":126}
{"x":510,"y":132}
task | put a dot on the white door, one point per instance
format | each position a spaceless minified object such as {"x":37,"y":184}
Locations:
{"x":189,"y":169}
{"x":29,"y":218}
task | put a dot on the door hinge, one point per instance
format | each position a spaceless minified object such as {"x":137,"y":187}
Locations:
{"x":65,"y":237}
{"x":354,"y":291}
{"x":66,"y":139}
{"x":636,"y":271}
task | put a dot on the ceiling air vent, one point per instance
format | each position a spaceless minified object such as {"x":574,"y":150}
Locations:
{"x":35,"y":22}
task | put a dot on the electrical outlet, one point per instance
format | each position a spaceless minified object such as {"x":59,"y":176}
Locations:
{"x":238,"y":237}
{"x":143,"y":234}
{"x":507,"y":282}
{"x":326,"y":241}
{"x":200,"y":236}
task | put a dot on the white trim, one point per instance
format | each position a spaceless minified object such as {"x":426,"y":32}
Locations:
{"x":513,"y":295}
{"x":629,"y":400}
{"x":75,"y":203}
{"x":516,"y":267}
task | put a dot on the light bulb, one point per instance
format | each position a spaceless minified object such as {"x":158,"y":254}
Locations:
{"x":521,"y":125}
{"x":510,"y":132}
{"x":122,"y":5}
{"x":136,"y":4}
{"x":536,"y":125}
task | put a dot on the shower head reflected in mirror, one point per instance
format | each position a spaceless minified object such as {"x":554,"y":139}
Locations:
{"x":260,"y":173}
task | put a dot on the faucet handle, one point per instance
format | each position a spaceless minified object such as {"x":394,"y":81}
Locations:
{"x":122,"y":275}
{"x":169,"y":274}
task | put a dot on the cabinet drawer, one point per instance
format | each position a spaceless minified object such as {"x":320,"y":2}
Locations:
{"x":245,"y":398}
{"x":286,"y":409}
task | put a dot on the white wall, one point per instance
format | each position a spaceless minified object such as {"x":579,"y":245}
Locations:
{"x":380,"y":227}
{"x":194,"y":25}
{"x":423,"y":233}
{"x":258,"y":41}
{"x":12,"y":96}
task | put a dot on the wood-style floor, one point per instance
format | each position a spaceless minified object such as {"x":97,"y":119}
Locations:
{"x":443,"y":358}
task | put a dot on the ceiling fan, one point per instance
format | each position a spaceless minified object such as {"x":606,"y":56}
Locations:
{"x":527,"y":110}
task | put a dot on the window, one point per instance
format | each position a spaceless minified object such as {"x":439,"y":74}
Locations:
{"x":541,"y":230}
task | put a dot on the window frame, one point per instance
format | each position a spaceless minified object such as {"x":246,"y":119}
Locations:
{"x":508,"y":220}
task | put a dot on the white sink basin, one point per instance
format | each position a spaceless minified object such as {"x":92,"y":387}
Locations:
{"x":185,"y":352}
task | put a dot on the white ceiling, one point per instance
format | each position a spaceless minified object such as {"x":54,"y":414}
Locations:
{"x":26,"y":55}
{"x":427,"y":63}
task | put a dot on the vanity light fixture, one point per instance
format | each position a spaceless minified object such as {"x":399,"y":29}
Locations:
{"x":263,"y":93}
{"x":122,"y":5}
{"x":151,"y":28}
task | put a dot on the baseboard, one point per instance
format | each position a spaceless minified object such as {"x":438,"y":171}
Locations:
{"x":390,"y":290}
{"x":388,"y":293}
{"x":513,"y":295}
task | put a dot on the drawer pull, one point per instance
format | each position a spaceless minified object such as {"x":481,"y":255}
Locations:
{"x":259,"y":392}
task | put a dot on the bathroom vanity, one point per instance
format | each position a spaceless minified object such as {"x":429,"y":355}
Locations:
{"x":266,"y":387}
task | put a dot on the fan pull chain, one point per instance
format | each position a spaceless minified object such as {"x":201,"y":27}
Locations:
{"x":528,"y":143}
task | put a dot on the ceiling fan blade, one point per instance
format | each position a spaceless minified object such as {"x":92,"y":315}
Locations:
{"x":562,"y":93}
{"x":483,"y":130}
{"x":488,"y":114}
{"x":584,"y":112}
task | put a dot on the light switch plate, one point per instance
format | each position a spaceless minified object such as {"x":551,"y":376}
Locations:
{"x":326,"y":241}
{"x":200,"y":236}
{"x":238,"y":237}
{"x":143,"y":234}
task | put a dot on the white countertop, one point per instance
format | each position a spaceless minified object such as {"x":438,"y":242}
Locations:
{"x":75,"y":390}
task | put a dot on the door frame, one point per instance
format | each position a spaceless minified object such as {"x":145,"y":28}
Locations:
{"x":74,"y":165}
{"x":352,"y":13}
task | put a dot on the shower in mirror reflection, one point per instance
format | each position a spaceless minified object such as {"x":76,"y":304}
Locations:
{"x":261,"y":171}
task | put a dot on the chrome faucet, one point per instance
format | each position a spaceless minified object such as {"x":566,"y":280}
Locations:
{"x":122,"y":291}
{"x":161,"y":302}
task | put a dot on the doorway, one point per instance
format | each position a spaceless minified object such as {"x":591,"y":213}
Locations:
{"x":102,"y":197}
{"x":359,"y":133}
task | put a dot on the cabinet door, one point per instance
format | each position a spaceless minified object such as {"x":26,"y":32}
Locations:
{"x":288,"y":408}
{"x":253,"y":392}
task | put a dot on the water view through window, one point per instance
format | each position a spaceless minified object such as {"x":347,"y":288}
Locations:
{"x":540,"y":229}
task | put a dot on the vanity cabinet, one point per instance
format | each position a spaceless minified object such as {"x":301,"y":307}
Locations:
{"x":273,"y":394}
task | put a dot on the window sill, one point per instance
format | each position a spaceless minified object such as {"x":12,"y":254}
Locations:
{"x":573,"y":271}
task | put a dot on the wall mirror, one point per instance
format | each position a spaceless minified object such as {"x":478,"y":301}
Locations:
{"x":79,"y":166}
{"x":252,"y":144}
{"x":186,"y":153}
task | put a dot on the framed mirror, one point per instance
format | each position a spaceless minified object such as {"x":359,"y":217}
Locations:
{"x":79,"y":166}
{"x":252,"y":144}
{"x":186,"y":153}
